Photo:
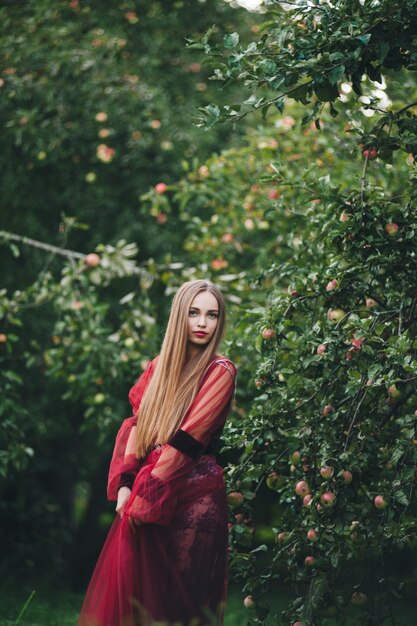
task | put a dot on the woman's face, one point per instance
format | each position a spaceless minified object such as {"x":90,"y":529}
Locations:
{"x":203,"y":317}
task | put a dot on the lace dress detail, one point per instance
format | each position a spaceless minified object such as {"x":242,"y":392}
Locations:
{"x":173,"y":569}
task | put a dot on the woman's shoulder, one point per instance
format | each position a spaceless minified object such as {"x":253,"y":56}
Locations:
{"x":223,"y":361}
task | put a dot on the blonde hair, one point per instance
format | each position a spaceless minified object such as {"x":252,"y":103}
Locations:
{"x":175,"y":381}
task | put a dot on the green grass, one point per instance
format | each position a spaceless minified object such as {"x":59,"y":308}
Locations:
{"x":48,"y":607}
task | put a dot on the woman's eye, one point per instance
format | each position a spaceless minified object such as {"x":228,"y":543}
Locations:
{"x":191,"y":313}
{"x":213,"y":315}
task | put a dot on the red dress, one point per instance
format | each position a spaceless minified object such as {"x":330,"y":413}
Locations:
{"x":173,"y":569}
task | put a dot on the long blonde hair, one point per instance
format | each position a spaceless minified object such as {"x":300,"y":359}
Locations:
{"x":175,"y":381}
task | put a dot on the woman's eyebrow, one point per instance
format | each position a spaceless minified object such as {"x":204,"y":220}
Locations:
{"x":209,"y":311}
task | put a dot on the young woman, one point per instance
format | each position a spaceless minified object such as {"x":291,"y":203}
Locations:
{"x":165,"y":558}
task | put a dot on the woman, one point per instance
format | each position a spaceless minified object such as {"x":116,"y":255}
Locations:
{"x":165,"y":558}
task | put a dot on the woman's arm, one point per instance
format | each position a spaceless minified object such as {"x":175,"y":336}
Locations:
{"x":124,"y":465}
{"x":155,"y":491}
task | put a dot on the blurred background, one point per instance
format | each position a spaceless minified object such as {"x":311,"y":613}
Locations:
{"x":125,"y":170}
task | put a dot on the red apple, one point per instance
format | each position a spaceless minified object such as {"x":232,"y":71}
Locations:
{"x":347,"y":477}
{"x":219,"y":264}
{"x":302,"y":488}
{"x":268,"y":333}
{"x":297,"y":624}
{"x":370,"y":302}
{"x":235,"y":498}
{"x":3,"y":338}
{"x":391,"y":228}
{"x":282,"y":536}
{"x":310,"y":561}
{"x":394,"y":392}
{"x":273,"y":194}
{"x":161,"y":218}
{"x":92,"y":259}
{"x":307,"y":500}
{"x":321,"y":349}
{"x":326,"y":472}
{"x":344,"y":217}
{"x":357,"y":342}
{"x":312,"y":535}
{"x":249,"y":602}
{"x":327,"y":499}
{"x":380,"y":502}
{"x":358,"y":598}
{"x":161,"y":188}
{"x":335,"y":315}
{"x":296,"y":457}
{"x":332,"y":284}
{"x":76,"y":305}
{"x":370,"y":153}
{"x":239,"y":518}
{"x":327,"y":409}
{"x":349,"y":353}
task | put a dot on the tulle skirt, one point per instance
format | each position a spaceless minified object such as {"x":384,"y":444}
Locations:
{"x":166,"y":575}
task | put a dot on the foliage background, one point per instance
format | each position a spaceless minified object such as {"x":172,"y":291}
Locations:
{"x":285,"y":210}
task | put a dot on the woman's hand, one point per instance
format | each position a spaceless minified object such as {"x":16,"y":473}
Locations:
{"x":133,"y":523}
{"x":123,"y":496}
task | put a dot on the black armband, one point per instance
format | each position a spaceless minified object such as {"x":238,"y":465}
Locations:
{"x":126,"y":480}
{"x":185,"y":443}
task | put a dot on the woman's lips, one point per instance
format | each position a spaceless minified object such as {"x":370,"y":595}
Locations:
{"x":200,"y":333}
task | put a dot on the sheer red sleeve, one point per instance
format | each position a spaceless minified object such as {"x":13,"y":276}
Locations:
{"x":154,"y":495}
{"x":124,"y":464}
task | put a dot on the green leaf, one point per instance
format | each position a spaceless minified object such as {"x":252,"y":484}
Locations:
{"x":13,"y":377}
{"x":364,"y":39}
{"x":262,"y":548}
{"x":326,"y":91}
{"x":401,"y":497}
{"x":231,"y":40}
{"x":384,"y":48}
{"x":300,"y":94}
{"x":336,"y":74}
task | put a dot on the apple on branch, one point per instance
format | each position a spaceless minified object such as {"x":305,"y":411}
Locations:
{"x":326,"y":472}
{"x":235,"y":498}
{"x":380,"y":502}
{"x":249,"y":602}
{"x":268,"y":333}
{"x":370,"y":153}
{"x":160,"y":188}
{"x":92,"y":259}
{"x":347,"y":477}
{"x":335,"y":315}
{"x":327,"y":499}
{"x":302,"y":488}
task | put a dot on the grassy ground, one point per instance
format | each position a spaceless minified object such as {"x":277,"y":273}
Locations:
{"x":61,"y":608}
{"x":50,"y":608}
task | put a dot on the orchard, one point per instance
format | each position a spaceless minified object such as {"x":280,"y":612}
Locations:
{"x":306,"y":218}
{"x":338,"y":333}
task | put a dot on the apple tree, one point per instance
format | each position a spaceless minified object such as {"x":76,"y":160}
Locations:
{"x":333,"y":430}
